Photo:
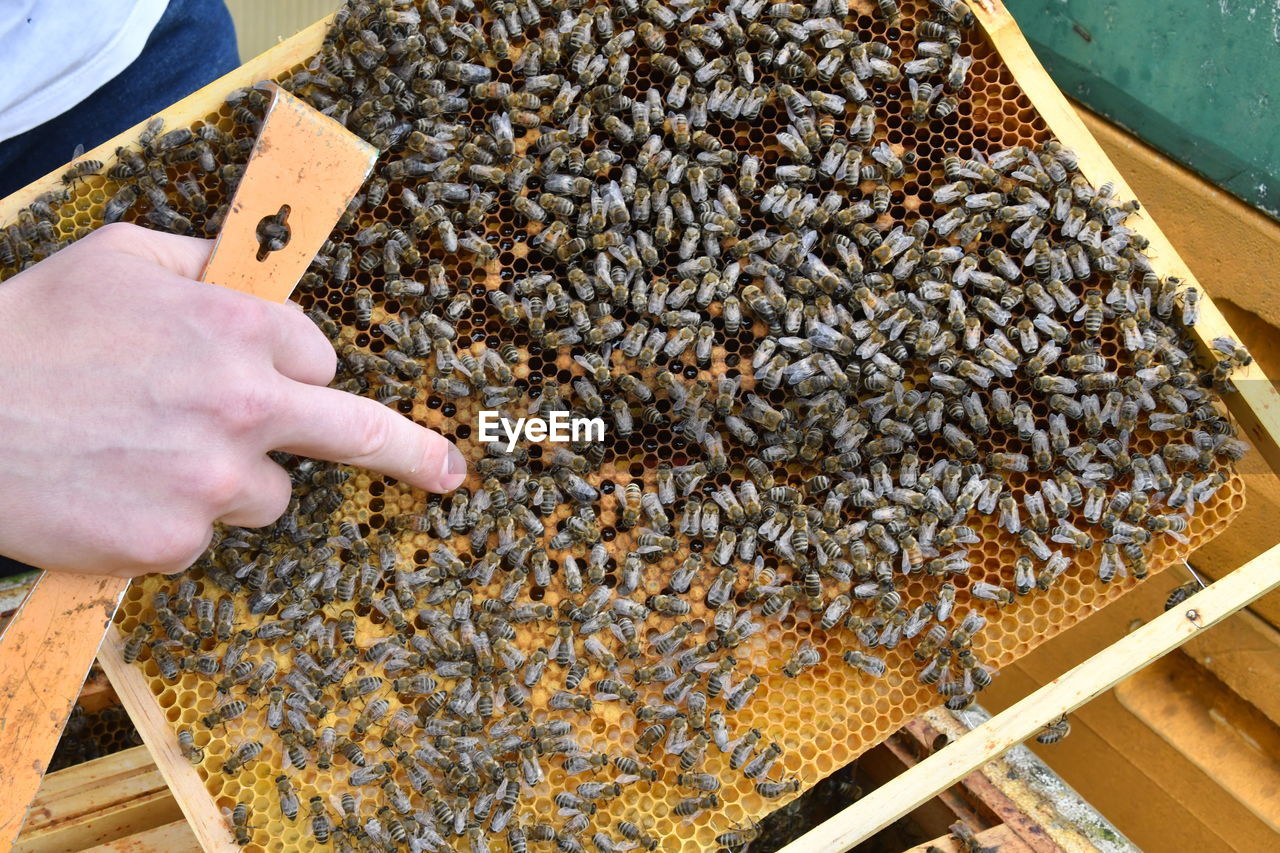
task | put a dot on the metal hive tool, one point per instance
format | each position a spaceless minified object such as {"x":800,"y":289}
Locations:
{"x":855,"y":711}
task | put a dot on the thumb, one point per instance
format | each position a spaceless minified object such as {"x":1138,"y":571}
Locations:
{"x":185,"y":256}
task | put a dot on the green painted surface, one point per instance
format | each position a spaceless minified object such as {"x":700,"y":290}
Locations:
{"x":1198,"y":79}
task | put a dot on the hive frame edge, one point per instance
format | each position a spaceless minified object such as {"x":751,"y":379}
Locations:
{"x":198,"y":807}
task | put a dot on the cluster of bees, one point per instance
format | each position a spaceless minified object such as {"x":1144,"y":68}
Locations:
{"x":855,"y":387}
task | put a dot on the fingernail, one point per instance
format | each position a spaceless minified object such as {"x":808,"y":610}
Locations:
{"x":454,"y":470}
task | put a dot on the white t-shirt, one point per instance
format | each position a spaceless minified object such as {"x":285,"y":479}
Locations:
{"x":55,"y":53}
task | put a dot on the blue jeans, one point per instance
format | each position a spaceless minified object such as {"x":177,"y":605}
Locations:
{"x":193,"y":43}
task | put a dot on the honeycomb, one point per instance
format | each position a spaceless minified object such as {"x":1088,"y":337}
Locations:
{"x":821,"y":719}
{"x":93,"y":734}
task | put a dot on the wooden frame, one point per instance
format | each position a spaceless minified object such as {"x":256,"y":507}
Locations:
{"x":188,"y":788}
{"x":1256,"y":406}
{"x":1023,"y":799}
{"x":79,"y":807}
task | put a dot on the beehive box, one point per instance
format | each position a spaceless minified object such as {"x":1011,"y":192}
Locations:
{"x":821,"y":719}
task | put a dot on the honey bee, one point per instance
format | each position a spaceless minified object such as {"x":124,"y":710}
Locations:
{"x":632,"y":832}
{"x":1179,"y":594}
{"x":1055,"y":731}
{"x":320,"y":825}
{"x":1190,"y":306}
{"x":138,"y":637}
{"x":966,"y":840}
{"x":224,"y":713}
{"x":80,"y":170}
{"x":119,"y":204}
{"x":288,"y":797}
{"x":740,"y":695}
{"x":772,"y":790}
{"x":243,"y":754}
{"x":990,"y":592}
{"x":805,"y":657}
{"x":187,"y":745}
{"x":241,"y":829}
{"x":692,"y":806}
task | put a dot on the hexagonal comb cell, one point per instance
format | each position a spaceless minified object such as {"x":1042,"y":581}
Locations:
{"x":730,"y":229}
{"x":93,"y":734}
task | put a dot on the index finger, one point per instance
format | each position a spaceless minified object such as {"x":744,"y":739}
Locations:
{"x":326,"y":423}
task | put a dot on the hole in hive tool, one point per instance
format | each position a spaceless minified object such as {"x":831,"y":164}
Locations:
{"x":273,"y":232}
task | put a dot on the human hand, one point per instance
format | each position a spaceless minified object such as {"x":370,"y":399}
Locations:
{"x":137,"y":407}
